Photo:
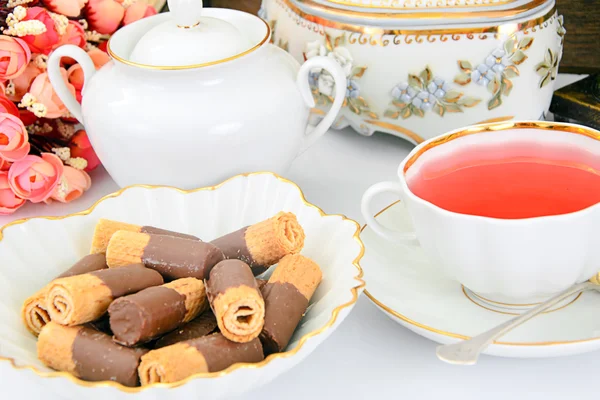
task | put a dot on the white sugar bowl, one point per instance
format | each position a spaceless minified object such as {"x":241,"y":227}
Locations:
{"x":194,"y":96}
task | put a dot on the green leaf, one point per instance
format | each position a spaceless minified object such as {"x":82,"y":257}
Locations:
{"x":465,"y":66}
{"x":510,"y":46}
{"x":406,"y":112}
{"x":362,"y":103}
{"x":549,"y":57}
{"x":542,"y":69}
{"x":525,"y":43}
{"x":511,"y":71}
{"x":358,"y":72}
{"x":545,"y":80}
{"x":507,"y":86}
{"x":469,"y":101}
{"x":415,"y":82}
{"x":339,"y":41}
{"x":452,"y":96}
{"x":519,"y":57}
{"x":399,"y":103}
{"x":353,"y":108}
{"x":453,"y":108}
{"x":372,"y":115}
{"x":496,"y":101}
{"x":393,"y":114}
{"x":439,"y":109}
{"x":462,"y":79}
{"x":418,"y":112}
{"x":426,"y":76}
{"x":328,"y":43}
{"x":494,"y":85}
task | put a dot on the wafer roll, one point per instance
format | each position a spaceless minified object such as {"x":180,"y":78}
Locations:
{"x":286,"y":295}
{"x":155,"y":311}
{"x":203,"y":325}
{"x":261,"y":283}
{"x":88,"y":354}
{"x":83,"y":298}
{"x":265,"y":243}
{"x":35,"y":312}
{"x":236,"y":300}
{"x":105,"y":228}
{"x":173,"y":257}
{"x":206,"y":354}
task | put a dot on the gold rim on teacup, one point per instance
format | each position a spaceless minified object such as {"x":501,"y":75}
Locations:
{"x":334,"y":315}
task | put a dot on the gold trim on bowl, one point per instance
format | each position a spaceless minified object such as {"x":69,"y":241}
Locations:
{"x":414,"y":323}
{"x":426,"y":4}
{"x":354,"y":290}
{"x":112,"y":54}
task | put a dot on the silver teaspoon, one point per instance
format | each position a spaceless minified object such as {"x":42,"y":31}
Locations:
{"x":467,"y":352}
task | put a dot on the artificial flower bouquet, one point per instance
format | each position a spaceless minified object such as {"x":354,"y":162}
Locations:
{"x":43,"y":156}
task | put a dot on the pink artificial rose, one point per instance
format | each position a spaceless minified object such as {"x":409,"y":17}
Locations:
{"x":71,"y":186}
{"x":4,"y":165}
{"x":23,"y":81}
{"x":104,"y":16}
{"x":69,"y":8}
{"x":14,"y":57}
{"x":137,"y":11}
{"x":74,"y":35}
{"x":43,"y":42}
{"x":34,"y":178}
{"x":14,"y":140}
{"x":81,"y":147}
{"x":43,"y":92}
{"x":9,"y":202}
{"x":75,"y":72}
{"x":7,"y":106}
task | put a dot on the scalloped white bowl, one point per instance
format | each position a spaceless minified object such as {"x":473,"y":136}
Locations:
{"x":33,"y":251}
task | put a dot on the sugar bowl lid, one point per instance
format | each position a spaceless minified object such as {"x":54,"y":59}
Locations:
{"x":188,"y":38}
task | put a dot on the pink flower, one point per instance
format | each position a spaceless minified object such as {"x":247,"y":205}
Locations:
{"x":4,"y":165}
{"x":104,"y":16}
{"x":7,"y":106}
{"x":71,"y":186}
{"x":73,"y":35}
{"x":75,"y":73}
{"x":14,"y":140}
{"x":23,"y":81}
{"x":81,"y":147}
{"x":9,"y":202}
{"x":43,"y":92}
{"x":70,"y":8}
{"x":43,"y":42}
{"x":14,"y":57}
{"x":34,"y":178}
{"x":137,"y":11}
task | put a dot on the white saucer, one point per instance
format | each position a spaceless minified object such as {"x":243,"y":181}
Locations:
{"x":409,"y":289}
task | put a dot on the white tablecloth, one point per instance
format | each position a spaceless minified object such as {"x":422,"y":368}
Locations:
{"x":370,"y":356}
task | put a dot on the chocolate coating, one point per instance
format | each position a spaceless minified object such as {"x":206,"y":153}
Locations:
{"x":157,"y":231}
{"x":201,"y":326}
{"x":102,"y":324}
{"x":176,"y":258}
{"x":98,"y":358}
{"x":284,"y":307}
{"x":261,"y":283}
{"x":233,"y":245}
{"x":220,"y":353}
{"x":229,"y":274}
{"x":140,"y":317}
{"x":89,"y":263}
{"x":129,"y":279}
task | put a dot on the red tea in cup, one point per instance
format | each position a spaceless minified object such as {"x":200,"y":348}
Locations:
{"x":510,"y":180}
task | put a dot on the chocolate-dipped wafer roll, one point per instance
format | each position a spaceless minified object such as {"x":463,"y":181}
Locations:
{"x":286,"y":295}
{"x":105,"y":228}
{"x":173,"y":257}
{"x":152,"y":312}
{"x":35,"y":312}
{"x":88,"y":354}
{"x":206,"y":354}
{"x":203,"y":325}
{"x":265,"y":243}
{"x":261,"y":283}
{"x":235,"y":300}
{"x":83,"y":298}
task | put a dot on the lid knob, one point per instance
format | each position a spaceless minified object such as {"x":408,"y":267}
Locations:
{"x":186,"y":13}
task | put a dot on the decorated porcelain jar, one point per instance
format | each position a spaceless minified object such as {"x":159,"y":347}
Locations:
{"x":419,"y":68}
{"x":194,"y":96}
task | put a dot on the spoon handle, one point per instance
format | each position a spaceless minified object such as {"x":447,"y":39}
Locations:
{"x":466,"y":352}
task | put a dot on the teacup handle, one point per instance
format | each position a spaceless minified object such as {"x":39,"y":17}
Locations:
{"x":339,"y":77}
{"x":56,"y":79}
{"x":387,"y":233}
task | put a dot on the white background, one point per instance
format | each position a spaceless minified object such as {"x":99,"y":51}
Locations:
{"x":370,"y":356}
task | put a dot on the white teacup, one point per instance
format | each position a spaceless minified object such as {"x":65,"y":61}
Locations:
{"x":507,"y":260}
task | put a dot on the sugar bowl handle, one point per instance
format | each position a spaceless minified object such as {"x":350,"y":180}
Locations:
{"x":57,"y":81}
{"x":339,"y":77}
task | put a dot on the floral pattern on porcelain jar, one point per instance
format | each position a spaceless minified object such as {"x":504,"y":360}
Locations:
{"x":548,"y":69}
{"x":321,"y":81}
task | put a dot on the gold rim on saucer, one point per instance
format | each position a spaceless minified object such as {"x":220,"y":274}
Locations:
{"x":404,"y":318}
{"x":354,"y":290}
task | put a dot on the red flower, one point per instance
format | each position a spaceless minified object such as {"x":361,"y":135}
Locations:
{"x":81,"y":147}
{"x":69,"y":8}
{"x":74,"y":34}
{"x":43,"y":42}
{"x":27,"y":117}
{"x":137,"y":11}
{"x":23,"y":81}
{"x":7,"y":106}
{"x":104,"y":16}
